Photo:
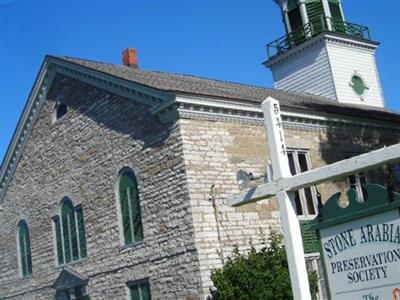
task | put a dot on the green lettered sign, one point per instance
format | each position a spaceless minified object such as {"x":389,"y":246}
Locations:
{"x":360,"y":246}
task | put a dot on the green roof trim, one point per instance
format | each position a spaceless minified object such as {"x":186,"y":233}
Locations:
{"x":377,"y":201}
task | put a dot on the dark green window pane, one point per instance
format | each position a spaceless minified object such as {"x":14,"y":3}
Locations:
{"x":309,"y":200}
{"x":136,"y":218}
{"x":28,"y":253}
{"x":66,"y":212}
{"x":25,"y":249}
{"x":297,"y":202}
{"x":135,"y":292}
{"x":130,"y":208}
{"x":22,"y":249}
{"x":292,"y":165}
{"x":81,"y":232}
{"x":303,"y":162}
{"x":145,"y":291}
{"x":57,"y":226}
{"x":74,"y":237}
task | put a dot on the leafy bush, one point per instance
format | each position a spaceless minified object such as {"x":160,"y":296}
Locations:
{"x":257,"y":275}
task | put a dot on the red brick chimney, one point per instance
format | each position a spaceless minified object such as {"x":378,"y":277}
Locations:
{"x":129,"y":58}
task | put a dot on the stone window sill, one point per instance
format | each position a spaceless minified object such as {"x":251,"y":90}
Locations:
{"x":125,"y":248}
{"x":71,"y":263}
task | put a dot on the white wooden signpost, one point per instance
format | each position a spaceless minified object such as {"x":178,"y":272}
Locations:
{"x":283,"y":186}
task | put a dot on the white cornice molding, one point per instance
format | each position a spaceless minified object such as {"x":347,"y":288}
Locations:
{"x":25,"y":125}
{"x":50,"y":67}
{"x":125,"y":88}
{"x":202,"y":108}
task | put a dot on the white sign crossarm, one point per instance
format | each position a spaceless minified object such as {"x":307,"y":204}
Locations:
{"x":363,"y":162}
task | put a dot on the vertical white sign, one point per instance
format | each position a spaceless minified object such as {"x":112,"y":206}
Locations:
{"x":290,"y":223}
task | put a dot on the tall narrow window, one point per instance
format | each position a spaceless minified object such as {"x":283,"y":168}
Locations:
{"x":294,"y":15}
{"x":130,"y":208}
{"x":139,"y":290}
{"x":358,"y":182}
{"x":305,"y":199}
{"x":69,"y":230}
{"x":24,"y":249}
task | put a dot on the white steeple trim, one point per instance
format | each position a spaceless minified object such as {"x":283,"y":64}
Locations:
{"x":324,"y":65}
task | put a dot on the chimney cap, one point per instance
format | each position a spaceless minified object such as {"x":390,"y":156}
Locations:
{"x":129,"y":58}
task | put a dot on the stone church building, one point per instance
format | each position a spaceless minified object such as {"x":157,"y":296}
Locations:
{"x":105,"y":189}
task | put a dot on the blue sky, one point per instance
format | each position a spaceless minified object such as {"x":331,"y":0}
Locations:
{"x":217,"y":39}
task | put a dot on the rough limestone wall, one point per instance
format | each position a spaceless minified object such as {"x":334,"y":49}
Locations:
{"x":80,"y":156}
{"x":215,"y":151}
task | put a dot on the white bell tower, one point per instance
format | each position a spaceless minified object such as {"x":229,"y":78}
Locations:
{"x":322,"y":54}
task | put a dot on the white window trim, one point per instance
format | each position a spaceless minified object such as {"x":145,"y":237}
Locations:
{"x":80,"y":258}
{"x":358,"y":184}
{"x":313,"y":257}
{"x":305,"y":215}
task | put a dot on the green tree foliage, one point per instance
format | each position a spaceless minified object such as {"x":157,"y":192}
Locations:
{"x":257,"y":275}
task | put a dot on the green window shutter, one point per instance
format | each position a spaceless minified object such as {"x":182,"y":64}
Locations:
{"x":316,"y":16}
{"x":66,"y":212}
{"x":335,"y":10}
{"x":81,"y":232}
{"x":57,"y":227}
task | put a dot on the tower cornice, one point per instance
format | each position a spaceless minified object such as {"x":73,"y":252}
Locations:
{"x":324,"y":37}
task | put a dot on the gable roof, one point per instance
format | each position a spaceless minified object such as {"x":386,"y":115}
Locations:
{"x":185,"y":84}
{"x":68,"y":278}
{"x":158,"y":90}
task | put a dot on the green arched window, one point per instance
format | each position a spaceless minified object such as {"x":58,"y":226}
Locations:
{"x":130,"y":207}
{"x":24,"y":249}
{"x":70,"y":233}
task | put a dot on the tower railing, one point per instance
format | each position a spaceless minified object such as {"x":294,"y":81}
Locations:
{"x":311,"y":29}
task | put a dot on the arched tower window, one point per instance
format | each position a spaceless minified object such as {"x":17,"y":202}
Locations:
{"x":70,"y":233}
{"x":130,"y":207}
{"x":24,"y":249}
{"x":294,"y":15}
{"x":61,"y":110}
